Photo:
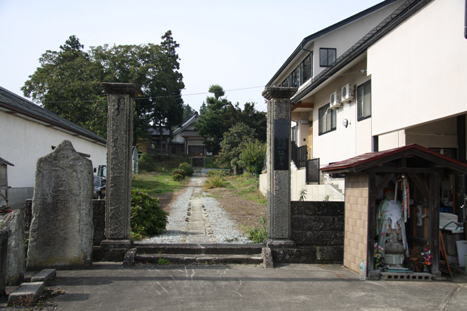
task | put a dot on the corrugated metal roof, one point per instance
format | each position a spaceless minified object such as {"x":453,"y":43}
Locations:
{"x":20,"y":105}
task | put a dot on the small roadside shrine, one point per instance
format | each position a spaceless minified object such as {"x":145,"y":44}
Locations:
{"x":393,"y":203}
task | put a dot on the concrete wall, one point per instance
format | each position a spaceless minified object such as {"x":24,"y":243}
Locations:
{"x":314,"y":192}
{"x":24,"y":141}
{"x":356,"y":221}
{"x":419,"y":70}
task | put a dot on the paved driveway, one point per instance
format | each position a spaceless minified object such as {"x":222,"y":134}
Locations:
{"x":239,"y":288}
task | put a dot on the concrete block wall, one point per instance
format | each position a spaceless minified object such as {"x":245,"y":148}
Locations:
{"x":317,"y":230}
{"x":356,"y":221}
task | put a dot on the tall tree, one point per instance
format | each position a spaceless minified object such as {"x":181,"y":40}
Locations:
{"x":187,"y":111}
{"x":68,"y":83}
{"x":217,"y":115}
{"x":254,"y":119}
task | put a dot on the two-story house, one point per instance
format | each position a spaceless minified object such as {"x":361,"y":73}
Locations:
{"x":400,"y":82}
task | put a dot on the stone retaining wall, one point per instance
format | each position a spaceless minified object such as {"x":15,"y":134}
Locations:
{"x":317,"y":230}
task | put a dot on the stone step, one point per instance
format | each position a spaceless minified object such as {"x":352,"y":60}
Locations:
{"x":44,"y":275}
{"x":240,"y":249}
{"x":26,"y":294}
{"x":198,"y":259}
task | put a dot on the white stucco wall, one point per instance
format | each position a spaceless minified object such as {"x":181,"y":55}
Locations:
{"x":23,"y":141}
{"x":341,"y":39}
{"x":343,"y":142}
{"x":344,"y":37}
{"x":419,"y":70}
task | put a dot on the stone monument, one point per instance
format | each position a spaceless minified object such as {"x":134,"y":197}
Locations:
{"x":3,"y":256}
{"x":278,"y":165}
{"x":120,"y":100}
{"x":61,"y":231}
{"x":13,"y":223}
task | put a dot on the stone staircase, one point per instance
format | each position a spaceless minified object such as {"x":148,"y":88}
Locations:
{"x":187,"y":254}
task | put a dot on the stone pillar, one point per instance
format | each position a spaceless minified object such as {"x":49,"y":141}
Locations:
{"x":120,"y":99}
{"x":61,"y":229}
{"x":278,"y":164}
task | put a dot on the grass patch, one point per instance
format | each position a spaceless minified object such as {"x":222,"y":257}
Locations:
{"x":215,"y":182}
{"x":156,"y":183}
{"x":258,"y":234}
{"x":163,"y":261}
{"x":247,"y":187}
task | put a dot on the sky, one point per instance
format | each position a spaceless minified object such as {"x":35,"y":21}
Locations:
{"x":236,"y":44}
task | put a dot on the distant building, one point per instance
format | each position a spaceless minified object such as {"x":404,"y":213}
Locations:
{"x":185,"y":140}
{"x":28,"y":132}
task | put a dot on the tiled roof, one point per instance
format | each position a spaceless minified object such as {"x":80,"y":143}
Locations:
{"x":20,"y":105}
{"x":406,"y":10}
{"x":5,"y":162}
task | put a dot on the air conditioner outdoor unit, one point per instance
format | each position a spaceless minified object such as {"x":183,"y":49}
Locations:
{"x":334,"y":101}
{"x":346,"y":93}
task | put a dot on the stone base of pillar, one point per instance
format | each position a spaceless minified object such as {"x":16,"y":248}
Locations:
{"x":114,"y":250}
{"x":275,"y":243}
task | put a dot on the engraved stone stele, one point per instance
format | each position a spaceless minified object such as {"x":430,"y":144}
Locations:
{"x":13,"y":222}
{"x":120,"y":100}
{"x":3,"y":256}
{"x":61,"y":231}
{"x":278,"y":164}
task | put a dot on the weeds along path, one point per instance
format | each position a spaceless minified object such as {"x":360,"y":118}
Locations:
{"x":197,"y":218}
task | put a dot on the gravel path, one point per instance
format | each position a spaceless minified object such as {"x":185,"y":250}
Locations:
{"x":196,"y":218}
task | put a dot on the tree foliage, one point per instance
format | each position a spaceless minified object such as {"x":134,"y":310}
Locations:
{"x":231,"y":145}
{"x":68,"y":82}
{"x":218,"y":115}
{"x":252,"y":156}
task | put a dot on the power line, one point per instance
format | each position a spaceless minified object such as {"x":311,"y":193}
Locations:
{"x":161,"y":96}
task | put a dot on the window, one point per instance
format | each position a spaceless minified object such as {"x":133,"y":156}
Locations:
{"x":307,"y":68}
{"x":327,"y":57}
{"x":364,"y":101}
{"x":296,"y":77}
{"x":327,"y":119}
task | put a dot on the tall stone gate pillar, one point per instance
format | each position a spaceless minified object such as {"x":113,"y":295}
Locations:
{"x":278,"y":164}
{"x":119,"y":141}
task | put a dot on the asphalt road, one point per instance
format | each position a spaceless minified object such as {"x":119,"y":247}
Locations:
{"x":292,"y":287}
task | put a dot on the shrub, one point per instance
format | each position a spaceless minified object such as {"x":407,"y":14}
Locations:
{"x":258,"y":234}
{"x":252,"y":156}
{"x":178,"y":174}
{"x":147,"y":218}
{"x":147,"y":163}
{"x":187,"y":168}
{"x":215,"y":182}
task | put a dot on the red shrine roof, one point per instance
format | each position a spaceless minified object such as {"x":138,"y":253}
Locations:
{"x":373,"y":159}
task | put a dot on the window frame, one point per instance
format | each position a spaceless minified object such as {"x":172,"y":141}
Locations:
{"x":333,"y":127}
{"x":327,"y":57}
{"x":360,"y":117}
{"x":302,"y":70}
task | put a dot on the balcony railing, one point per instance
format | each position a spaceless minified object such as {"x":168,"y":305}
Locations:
{"x":299,"y":155}
{"x":312,"y":171}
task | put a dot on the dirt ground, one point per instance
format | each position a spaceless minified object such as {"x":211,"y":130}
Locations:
{"x":165,"y":199}
{"x":244,"y":212}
